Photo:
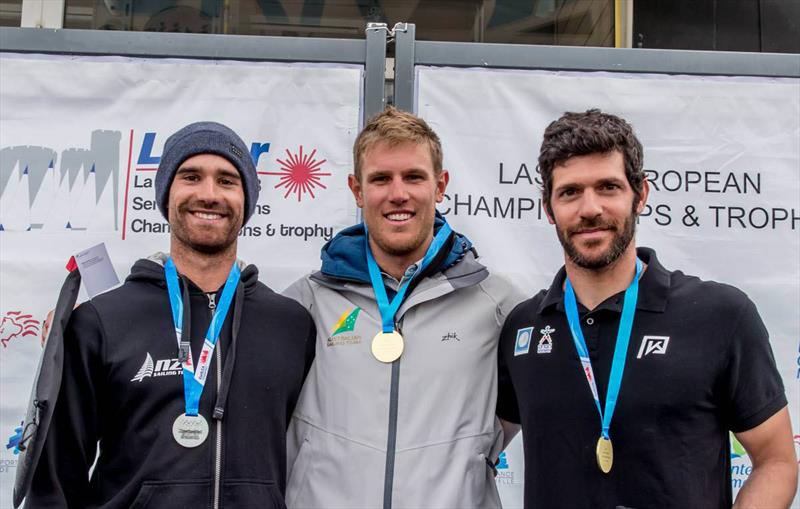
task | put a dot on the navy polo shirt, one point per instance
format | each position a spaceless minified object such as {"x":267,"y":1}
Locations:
{"x":699,"y":364}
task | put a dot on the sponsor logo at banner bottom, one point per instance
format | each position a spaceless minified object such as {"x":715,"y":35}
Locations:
{"x":740,"y":463}
{"x":9,"y":462}
{"x":13,"y":440}
{"x":505,"y":474}
{"x":17,"y":324}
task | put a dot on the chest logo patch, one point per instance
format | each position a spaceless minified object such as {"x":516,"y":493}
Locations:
{"x":653,"y":345}
{"x":161,"y":367}
{"x":342,"y":331}
{"x":523,"y":343}
{"x":546,"y":342}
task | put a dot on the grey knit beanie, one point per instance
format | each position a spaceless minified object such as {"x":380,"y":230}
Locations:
{"x":206,"y":138}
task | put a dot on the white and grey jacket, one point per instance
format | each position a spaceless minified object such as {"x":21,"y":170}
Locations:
{"x":433,"y":410}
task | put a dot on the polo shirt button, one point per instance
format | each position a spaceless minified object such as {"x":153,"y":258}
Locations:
{"x":590,"y":321}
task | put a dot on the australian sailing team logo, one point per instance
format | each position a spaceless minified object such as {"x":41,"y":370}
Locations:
{"x":342,"y":331}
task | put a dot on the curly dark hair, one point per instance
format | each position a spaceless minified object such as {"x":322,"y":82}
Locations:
{"x":592,"y":132}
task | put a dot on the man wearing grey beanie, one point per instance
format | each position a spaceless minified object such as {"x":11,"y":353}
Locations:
{"x":186,"y":376}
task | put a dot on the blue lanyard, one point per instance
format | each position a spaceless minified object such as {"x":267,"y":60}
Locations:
{"x":389,"y":309}
{"x":195,"y":379}
{"x":620,"y":349}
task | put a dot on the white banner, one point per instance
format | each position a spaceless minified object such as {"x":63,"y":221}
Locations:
{"x":722,"y":155}
{"x":80,"y":139}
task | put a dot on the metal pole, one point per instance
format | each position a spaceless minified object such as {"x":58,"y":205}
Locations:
{"x":404,"y":66}
{"x":374,"y":70}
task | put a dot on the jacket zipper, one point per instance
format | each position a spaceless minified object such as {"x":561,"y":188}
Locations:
{"x":212,"y":305}
{"x":391,"y":442}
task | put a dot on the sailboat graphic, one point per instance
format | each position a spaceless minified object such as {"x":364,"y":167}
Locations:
{"x":14,"y":207}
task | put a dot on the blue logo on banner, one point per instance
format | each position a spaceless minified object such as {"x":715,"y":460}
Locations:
{"x":13,"y":440}
{"x":502,"y":461}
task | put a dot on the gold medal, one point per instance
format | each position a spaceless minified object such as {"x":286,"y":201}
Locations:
{"x":605,"y":454}
{"x":387,"y":346}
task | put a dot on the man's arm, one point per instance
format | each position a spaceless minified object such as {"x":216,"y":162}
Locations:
{"x":510,"y":430}
{"x":773,"y":481}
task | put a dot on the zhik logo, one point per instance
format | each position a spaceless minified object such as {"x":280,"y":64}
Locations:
{"x":162,"y":367}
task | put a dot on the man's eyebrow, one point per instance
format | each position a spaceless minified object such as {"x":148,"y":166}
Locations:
{"x":222,"y":171}
{"x":611,"y":180}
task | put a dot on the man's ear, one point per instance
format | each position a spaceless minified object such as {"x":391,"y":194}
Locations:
{"x":549,"y":213}
{"x":441,"y":185}
{"x":643,"y":197}
{"x":355,"y":188}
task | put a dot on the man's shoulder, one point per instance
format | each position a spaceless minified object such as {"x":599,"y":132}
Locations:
{"x":264,"y":297}
{"x":528,"y":308}
{"x":705,"y":294}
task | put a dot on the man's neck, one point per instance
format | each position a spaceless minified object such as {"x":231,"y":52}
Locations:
{"x":396,"y":265}
{"x":208,"y":271}
{"x":593,"y":286}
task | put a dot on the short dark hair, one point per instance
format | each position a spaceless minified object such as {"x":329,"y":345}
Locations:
{"x":591,"y":132}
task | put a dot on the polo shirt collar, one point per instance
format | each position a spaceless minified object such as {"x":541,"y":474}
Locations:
{"x":653,"y":288}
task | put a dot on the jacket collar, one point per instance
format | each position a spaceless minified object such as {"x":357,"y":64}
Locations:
{"x":344,"y":256}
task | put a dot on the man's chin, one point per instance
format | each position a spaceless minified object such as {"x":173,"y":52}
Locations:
{"x":211,"y":246}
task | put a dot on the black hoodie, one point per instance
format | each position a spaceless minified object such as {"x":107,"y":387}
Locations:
{"x":122,"y":387}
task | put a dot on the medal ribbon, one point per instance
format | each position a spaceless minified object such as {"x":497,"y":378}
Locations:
{"x":389,"y":309}
{"x":195,"y":380}
{"x":620,"y":349}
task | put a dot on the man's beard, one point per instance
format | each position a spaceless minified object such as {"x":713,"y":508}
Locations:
{"x":618,"y":246}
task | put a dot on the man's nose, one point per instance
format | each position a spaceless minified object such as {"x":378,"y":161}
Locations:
{"x":398,"y":192}
{"x":590,"y":205}
{"x":208,"y":190}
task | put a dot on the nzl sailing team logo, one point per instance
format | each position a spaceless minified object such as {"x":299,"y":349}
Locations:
{"x":161,"y":367}
{"x":342,"y":331}
{"x":16,"y":324}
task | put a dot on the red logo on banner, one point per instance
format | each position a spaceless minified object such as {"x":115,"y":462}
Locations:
{"x":15,"y":324}
{"x":300,"y":173}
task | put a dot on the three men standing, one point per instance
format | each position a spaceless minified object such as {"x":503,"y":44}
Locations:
{"x":627,"y":377}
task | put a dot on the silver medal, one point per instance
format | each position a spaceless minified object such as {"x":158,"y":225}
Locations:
{"x":190,"y":430}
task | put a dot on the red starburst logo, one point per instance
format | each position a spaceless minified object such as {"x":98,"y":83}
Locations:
{"x":299,"y":173}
